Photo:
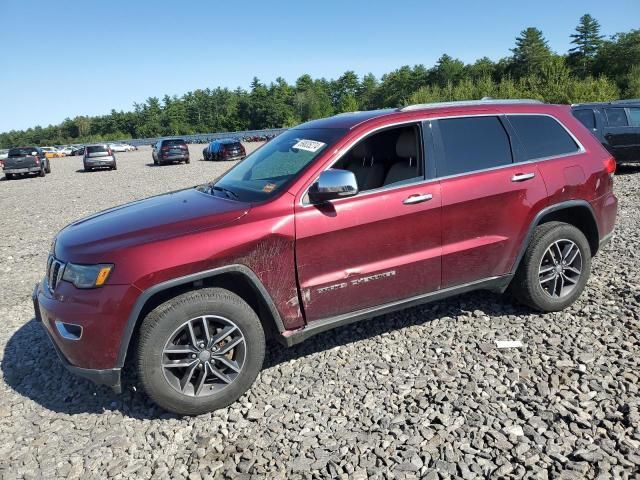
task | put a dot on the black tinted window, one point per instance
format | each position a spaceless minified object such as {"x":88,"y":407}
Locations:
{"x":472,"y":143}
{"x":586,"y":117}
{"x":21,"y":152}
{"x":617,"y":117}
{"x":542,"y":136}
{"x":97,"y":148}
{"x":169,"y":143}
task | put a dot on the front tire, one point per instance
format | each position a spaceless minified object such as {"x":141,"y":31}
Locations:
{"x":555,"y":268}
{"x":200,"y":351}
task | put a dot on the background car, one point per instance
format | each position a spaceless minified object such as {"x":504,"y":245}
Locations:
{"x":77,"y":150}
{"x":616,"y":125}
{"x":224,"y":149}
{"x":120,"y":147}
{"x":52,"y":152}
{"x":66,"y":150}
{"x":25,"y":160}
{"x":4,"y":153}
{"x":99,"y":156}
{"x":169,"y":150}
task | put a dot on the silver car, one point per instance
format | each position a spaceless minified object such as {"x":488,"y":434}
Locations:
{"x":99,"y":156}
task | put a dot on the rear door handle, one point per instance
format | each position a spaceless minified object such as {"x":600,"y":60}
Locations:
{"x":521,"y":177}
{"x":417,"y":198}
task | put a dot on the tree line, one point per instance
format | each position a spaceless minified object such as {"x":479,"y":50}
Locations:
{"x":594,"y":69}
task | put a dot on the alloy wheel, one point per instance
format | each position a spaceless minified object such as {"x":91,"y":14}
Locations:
{"x":560,"y":268}
{"x":204,"y":355}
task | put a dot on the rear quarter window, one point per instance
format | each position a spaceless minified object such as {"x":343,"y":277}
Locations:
{"x":472,"y":143}
{"x":542,"y":136}
{"x":586,"y":117}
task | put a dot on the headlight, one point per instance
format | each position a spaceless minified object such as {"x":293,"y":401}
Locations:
{"x":87,"y":276}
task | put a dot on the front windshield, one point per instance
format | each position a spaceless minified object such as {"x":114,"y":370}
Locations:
{"x":267,"y":170}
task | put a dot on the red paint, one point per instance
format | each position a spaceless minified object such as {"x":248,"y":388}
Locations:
{"x":351,"y":254}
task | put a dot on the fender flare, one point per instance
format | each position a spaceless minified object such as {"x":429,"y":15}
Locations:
{"x":545,"y":211}
{"x":174,"y":282}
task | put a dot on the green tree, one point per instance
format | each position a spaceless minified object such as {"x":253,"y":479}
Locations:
{"x":617,"y":56}
{"x":530,"y":53}
{"x":587,"y":41}
{"x":447,"y":70}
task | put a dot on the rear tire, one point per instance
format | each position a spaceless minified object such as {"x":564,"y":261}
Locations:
{"x":48,"y":167}
{"x":87,"y":169}
{"x":8,"y":176}
{"x":42,"y":172}
{"x":115,"y":167}
{"x":183,"y":331}
{"x":555,"y":268}
{"x":187,"y":161}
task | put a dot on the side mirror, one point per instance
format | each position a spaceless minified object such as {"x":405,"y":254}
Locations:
{"x":333,"y":184}
{"x":34,"y":153}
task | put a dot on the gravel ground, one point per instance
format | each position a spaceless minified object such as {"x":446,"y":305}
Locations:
{"x":420,"y":393}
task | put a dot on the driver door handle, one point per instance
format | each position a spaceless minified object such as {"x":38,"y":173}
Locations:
{"x":521,"y":177}
{"x":418,"y":198}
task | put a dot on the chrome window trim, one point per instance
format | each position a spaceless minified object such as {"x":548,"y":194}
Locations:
{"x":427,"y":181}
{"x":342,"y":152}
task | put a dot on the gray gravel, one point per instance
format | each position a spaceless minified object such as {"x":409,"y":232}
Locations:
{"x":422,"y":393}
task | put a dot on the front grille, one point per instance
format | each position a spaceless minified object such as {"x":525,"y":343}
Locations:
{"x":55,"y":269}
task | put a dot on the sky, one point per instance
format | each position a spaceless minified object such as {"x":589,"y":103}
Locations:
{"x":63,"y":58}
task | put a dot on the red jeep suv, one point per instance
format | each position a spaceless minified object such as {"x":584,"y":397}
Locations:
{"x":334,"y":221}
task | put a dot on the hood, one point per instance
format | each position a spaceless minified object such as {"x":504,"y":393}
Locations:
{"x":152,"y":219}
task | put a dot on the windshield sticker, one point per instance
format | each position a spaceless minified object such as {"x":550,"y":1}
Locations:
{"x":269,"y":187}
{"x":309,"y":145}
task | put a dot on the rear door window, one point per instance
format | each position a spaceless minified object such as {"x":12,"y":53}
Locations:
{"x":616,"y":117}
{"x":542,"y":136}
{"x":472,"y":143}
{"x":634,"y":116}
{"x":586,"y":117}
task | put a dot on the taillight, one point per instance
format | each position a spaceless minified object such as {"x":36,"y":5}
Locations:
{"x":610,"y":165}
{"x":37,"y":160}
{"x":109,"y":152}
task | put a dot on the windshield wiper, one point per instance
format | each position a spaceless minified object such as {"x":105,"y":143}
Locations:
{"x":226,"y":191}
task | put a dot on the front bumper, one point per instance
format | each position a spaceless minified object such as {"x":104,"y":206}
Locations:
{"x":104,"y":376}
{"x":22,"y":170}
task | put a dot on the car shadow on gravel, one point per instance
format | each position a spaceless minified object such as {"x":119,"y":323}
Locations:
{"x":627,"y":169}
{"x":31,"y":368}
{"x":490,"y":304}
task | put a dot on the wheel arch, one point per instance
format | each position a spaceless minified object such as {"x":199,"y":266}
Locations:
{"x":238,"y":279}
{"x":578,"y":213}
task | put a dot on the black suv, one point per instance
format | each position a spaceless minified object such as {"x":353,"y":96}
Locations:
{"x":169,"y":150}
{"x":616,"y":125}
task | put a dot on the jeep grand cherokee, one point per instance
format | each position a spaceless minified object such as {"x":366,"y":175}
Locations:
{"x":334,"y":221}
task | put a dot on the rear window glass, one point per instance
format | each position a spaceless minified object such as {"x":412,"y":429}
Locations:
{"x":542,"y":136}
{"x":170,"y":143}
{"x":586,"y":117}
{"x":617,"y":117}
{"x":472,"y":143}
{"x":634,"y":116}
{"x":97,"y":148}
{"x":21,"y":152}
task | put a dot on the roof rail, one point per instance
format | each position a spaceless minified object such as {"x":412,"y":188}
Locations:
{"x":627,"y":100}
{"x":468,"y":103}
